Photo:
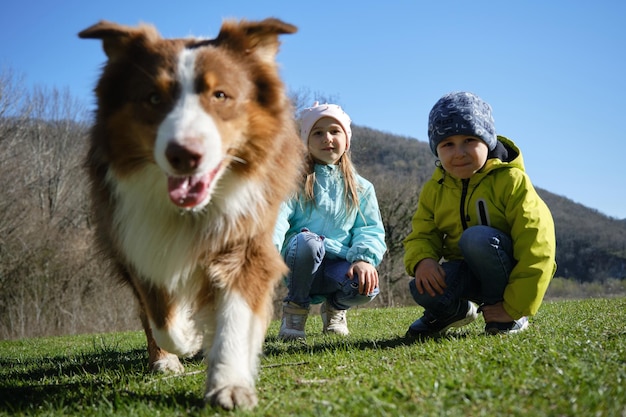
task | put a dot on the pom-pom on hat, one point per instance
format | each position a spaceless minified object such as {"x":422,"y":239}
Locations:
{"x":461,"y":113}
{"x":310,"y":116}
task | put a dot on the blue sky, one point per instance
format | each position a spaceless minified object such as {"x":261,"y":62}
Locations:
{"x":554,"y":71}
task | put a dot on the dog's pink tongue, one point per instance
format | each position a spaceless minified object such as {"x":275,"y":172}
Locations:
{"x":188,"y":192}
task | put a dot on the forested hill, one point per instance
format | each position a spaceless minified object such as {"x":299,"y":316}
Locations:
{"x":590,"y":245}
{"x":52,"y":280}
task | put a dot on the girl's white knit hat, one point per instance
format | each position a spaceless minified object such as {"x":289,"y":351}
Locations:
{"x":310,"y":116}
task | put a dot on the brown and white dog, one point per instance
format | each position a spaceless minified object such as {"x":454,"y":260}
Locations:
{"x":192,"y":151}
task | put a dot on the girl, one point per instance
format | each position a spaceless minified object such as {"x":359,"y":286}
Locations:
{"x":330,"y":234}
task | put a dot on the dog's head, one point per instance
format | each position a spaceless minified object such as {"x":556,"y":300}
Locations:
{"x":199,"y":109}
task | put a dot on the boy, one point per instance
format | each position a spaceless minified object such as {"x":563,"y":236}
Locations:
{"x":481,"y":233}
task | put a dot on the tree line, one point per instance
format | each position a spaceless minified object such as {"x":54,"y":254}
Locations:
{"x":52,"y":281}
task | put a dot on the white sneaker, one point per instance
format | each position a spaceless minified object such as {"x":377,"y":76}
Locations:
{"x":514,"y":326}
{"x":334,"y":320}
{"x":294,"y":321}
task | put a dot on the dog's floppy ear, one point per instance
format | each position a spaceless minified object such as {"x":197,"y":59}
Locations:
{"x":117,"y":38}
{"x":259,"y":38}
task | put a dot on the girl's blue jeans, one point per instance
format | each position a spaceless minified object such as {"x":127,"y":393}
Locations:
{"x":481,"y":276}
{"x":313,"y":277}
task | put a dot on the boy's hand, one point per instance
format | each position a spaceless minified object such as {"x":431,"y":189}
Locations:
{"x":367,"y":274}
{"x":495,"y":313}
{"x":430,"y":277}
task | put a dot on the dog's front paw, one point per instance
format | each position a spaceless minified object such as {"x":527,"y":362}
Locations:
{"x":232,"y":396}
{"x":167,"y":363}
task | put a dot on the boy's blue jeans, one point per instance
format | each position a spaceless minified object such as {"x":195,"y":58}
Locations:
{"x":480,"y":277}
{"x":313,"y":277}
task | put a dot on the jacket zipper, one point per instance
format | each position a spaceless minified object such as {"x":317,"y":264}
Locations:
{"x":463,"y":197}
{"x":482,"y":210}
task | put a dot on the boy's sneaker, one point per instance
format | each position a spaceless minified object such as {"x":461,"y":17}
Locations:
{"x":514,"y":326}
{"x":428,"y":325}
{"x":294,"y":321}
{"x":334,"y":320}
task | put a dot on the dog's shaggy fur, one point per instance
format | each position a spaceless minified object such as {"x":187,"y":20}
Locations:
{"x":192,"y":151}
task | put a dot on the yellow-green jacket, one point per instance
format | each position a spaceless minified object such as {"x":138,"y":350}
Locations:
{"x":502,"y":196}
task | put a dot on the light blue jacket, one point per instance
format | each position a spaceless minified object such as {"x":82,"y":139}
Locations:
{"x":355,"y":235}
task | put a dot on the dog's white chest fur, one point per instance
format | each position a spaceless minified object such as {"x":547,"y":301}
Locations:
{"x":158,"y":241}
{"x":163,"y":242}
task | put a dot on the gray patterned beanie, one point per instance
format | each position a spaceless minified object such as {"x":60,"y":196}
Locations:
{"x":461,"y":113}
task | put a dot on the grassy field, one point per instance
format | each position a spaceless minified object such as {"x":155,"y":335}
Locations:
{"x":570,"y":362}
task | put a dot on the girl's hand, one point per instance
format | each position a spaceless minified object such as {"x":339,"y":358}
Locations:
{"x":367,"y":275}
{"x":430,"y":277}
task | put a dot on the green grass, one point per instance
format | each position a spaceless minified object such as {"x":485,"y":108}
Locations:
{"x":570,"y":362}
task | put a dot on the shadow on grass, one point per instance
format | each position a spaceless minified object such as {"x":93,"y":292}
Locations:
{"x":38,"y":384}
{"x":276,"y":347}
{"x":79,"y":382}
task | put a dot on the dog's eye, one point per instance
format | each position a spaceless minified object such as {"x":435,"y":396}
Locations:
{"x":220,"y":95}
{"x":154,"y":99}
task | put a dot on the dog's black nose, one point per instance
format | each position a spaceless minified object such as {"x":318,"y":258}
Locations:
{"x":184,"y":159}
